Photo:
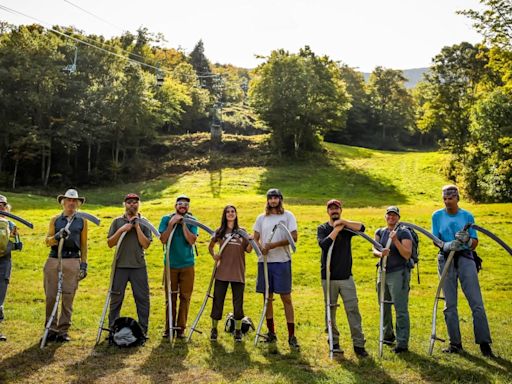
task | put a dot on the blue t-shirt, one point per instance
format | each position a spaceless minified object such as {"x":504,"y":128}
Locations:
{"x":445,"y":225}
{"x":181,"y":253}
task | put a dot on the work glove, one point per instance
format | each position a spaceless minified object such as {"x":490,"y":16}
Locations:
{"x":17,"y":246}
{"x":62,"y":234}
{"x":454,"y":245}
{"x":462,"y":236}
{"x":83,"y":271}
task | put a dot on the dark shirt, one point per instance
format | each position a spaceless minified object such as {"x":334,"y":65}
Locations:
{"x":131,"y":253}
{"x":395,"y":261}
{"x":341,"y":258}
{"x":71,"y":247}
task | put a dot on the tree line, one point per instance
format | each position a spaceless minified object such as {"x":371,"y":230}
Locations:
{"x":102,"y":120}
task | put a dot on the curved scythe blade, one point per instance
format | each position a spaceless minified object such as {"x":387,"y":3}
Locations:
{"x":288,"y":236}
{"x":88,"y":216}
{"x":17,"y":218}
{"x":377,"y":245}
{"x":145,"y":222}
{"x":493,"y":236}
{"x":193,"y":222}
{"x":438,"y":242}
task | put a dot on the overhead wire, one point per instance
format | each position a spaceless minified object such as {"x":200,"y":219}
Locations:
{"x":79,"y":40}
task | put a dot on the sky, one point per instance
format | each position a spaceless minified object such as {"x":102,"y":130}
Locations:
{"x":398,"y":34}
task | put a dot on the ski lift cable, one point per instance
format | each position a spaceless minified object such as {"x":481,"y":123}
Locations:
{"x":77,"y":40}
{"x":95,"y":16}
{"x":105,"y":21}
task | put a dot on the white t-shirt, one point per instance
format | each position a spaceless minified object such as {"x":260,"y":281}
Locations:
{"x":264,"y":225}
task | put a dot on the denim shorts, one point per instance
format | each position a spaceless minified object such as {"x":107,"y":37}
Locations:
{"x":279,"y":278}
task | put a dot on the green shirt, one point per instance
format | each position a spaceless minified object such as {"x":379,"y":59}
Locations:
{"x":181,"y":252}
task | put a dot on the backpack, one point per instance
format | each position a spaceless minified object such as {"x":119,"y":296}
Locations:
{"x":415,"y":255}
{"x":5,"y":233}
{"x":126,"y":332}
{"x":247,"y":324}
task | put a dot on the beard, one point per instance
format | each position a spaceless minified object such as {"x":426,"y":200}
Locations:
{"x":335,"y":216}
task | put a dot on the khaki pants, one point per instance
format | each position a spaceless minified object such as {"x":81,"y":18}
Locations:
{"x":182,"y":280}
{"x":70,"y":272}
{"x":347,"y":290}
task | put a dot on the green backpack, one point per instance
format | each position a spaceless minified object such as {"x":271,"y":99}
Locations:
{"x":5,"y":233}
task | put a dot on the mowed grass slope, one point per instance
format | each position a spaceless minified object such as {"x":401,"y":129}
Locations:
{"x":366,"y":180}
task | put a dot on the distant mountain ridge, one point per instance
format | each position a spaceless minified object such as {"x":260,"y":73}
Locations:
{"x":414,"y":75}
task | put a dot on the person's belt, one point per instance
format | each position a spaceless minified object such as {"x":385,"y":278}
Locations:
{"x":67,"y":254}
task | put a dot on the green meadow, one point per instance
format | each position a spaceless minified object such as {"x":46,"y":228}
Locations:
{"x":366,"y":180}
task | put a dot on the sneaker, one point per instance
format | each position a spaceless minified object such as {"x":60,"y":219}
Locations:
{"x":213,"y":334}
{"x":3,"y":337}
{"x":336,"y":349}
{"x":486,"y":350}
{"x":293,"y":343}
{"x":398,"y":350}
{"x":389,"y":340}
{"x":63,"y":338}
{"x":270,"y":337}
{"x":238,"y":335}
{"x":453,"y":348}
{"x":360,"y":351}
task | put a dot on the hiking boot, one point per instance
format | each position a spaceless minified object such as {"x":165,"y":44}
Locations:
{"x":293,"y":343}
{"x":270,"y":338}
{"x":453,"y":348}
{"x":389,"y":340}
{"x":63,"y":338}
{"x":3,"y":337}
{"x":486,"y":350}
{"x":398,"y":350}
{"x":213,"y":334}
{"x":165,"y":334}
{"x":360,"y":351}
{"x":238,"y":335}
{"x":336,"y":349}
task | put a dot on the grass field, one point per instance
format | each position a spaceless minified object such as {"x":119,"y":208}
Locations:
{"x":365,"y":180}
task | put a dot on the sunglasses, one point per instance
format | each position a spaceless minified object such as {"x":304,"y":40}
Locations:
{"x":182,"y":204}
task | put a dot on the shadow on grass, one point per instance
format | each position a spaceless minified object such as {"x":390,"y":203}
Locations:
{"x":432,"y":371}
{"x":291,"y":365}
{"x":365,"y":370}
{"x":26,"y":362}
{"x":102,"y":361}
{"x":320,"y":180}
{"x":503,"y":366}
{"x":231,"y":365}
{"x":164,"y":361}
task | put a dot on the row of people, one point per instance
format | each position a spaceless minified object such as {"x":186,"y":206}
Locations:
{"x":447,"y":224}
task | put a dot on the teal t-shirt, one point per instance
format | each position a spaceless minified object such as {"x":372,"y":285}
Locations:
{"x":181,"y":252}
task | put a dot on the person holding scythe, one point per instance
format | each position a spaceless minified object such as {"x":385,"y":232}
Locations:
{"x":448,"y":224}
{"x":72,"y":230}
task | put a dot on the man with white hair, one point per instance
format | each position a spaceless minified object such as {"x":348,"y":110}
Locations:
{"x":448,"y":224}
{"x":73,"y":231}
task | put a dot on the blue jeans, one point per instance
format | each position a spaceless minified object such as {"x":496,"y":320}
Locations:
{"x":467,"y":274}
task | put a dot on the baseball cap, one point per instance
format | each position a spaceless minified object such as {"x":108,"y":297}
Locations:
{"x":393,"y":209}
{"x":3,"y":199}
{"x":334,"y":202}
{"x":133,"y":196}
{"x":183,"y":197}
